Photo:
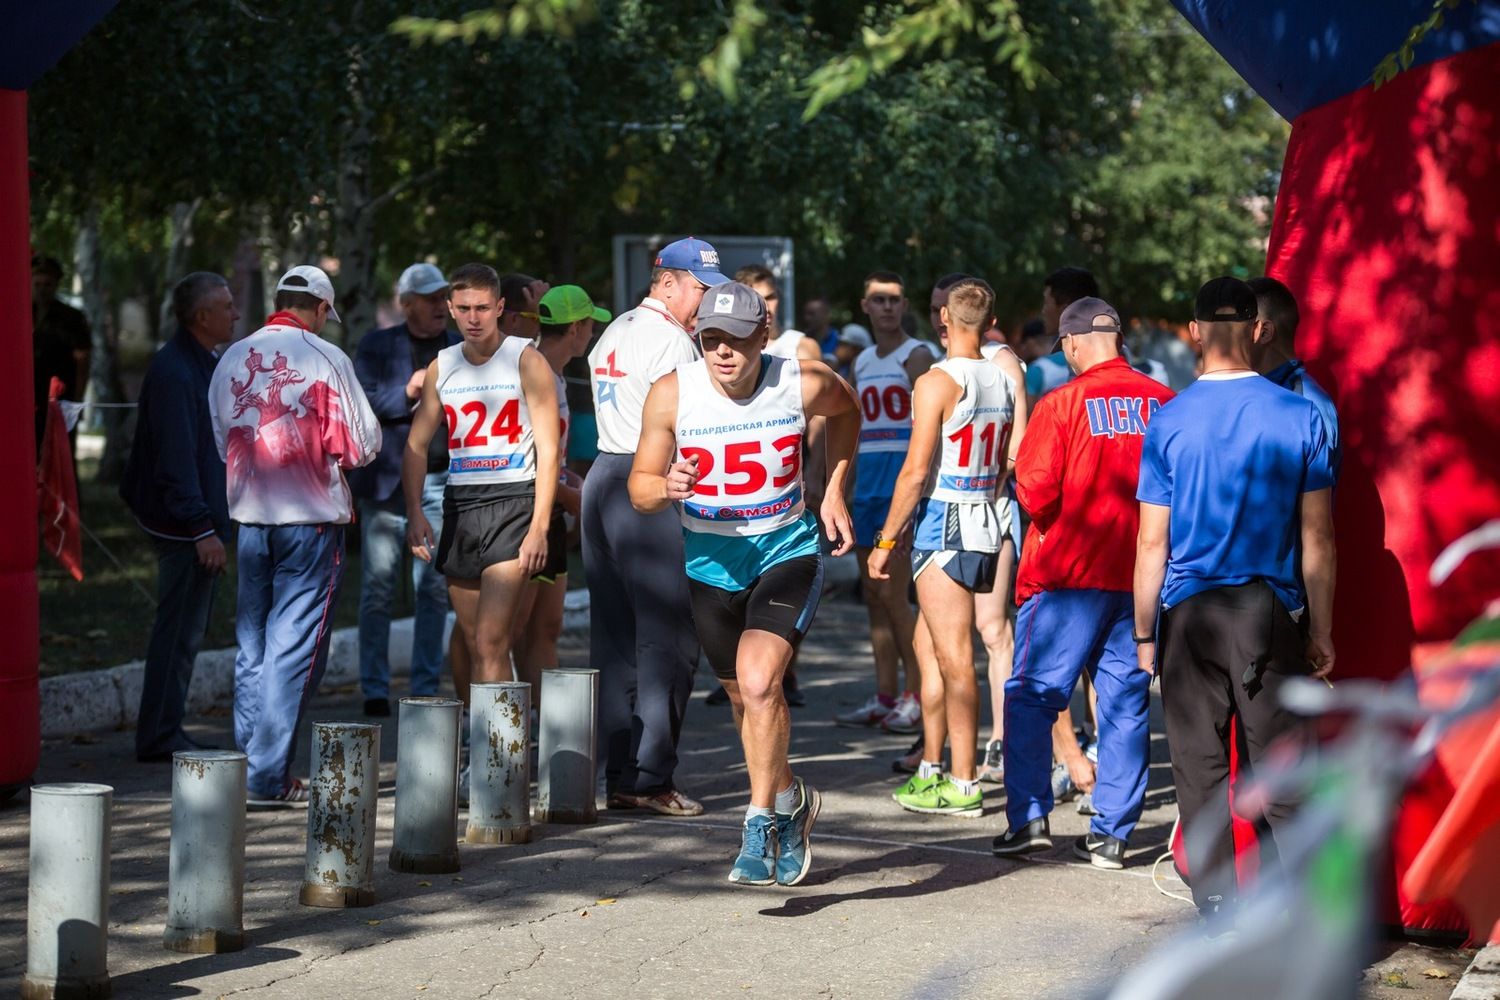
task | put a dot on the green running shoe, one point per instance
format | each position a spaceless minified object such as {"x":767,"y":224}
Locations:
{"x":756,"y":864}
{"x":916,"y":785}
{"x":942,"y":798}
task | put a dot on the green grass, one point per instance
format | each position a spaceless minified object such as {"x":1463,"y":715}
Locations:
{"x":105,"y":620}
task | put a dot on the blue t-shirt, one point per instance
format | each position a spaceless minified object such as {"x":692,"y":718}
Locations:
{"x":1294,"y":377}
{"x":1232,"y":457}
{"x":734,"y":562}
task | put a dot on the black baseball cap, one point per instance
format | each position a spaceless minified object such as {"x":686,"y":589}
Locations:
{"x":1225,"y":300}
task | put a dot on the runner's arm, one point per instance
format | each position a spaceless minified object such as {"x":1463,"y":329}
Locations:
{"x":653,"y":475}
{"x":540,"y":389}
{"x":917,"y":363}
{"x":930,"y":396}
{"x":833,"y":409}
{"x":1318,"y":562}
{"x":1151,"y":549}
{"x":425,"y":421}
{"x":1011,"y":366}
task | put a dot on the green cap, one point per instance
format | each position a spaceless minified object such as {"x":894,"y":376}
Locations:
{"x":565,"y":304}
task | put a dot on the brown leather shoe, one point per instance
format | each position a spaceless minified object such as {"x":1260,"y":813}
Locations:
{"x":668,"y":803}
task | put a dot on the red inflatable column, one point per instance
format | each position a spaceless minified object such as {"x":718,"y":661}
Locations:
{"x":20,"y":741}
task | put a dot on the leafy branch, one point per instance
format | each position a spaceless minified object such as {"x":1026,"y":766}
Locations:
{"x":1391,"y":66}
{"x":926,"y":24}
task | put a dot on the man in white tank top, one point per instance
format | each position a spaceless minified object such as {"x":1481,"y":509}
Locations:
{"x":722,"y":438}
{"x":566,"y":316}
{"x":959,"y":453}
{"x":883,"y":377}
{"x":495,"y":398}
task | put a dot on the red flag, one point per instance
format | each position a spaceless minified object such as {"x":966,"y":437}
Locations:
{"x":57,"y":498}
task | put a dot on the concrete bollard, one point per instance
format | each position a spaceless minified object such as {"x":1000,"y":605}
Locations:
{"x":67,"y":901}
{"x":426,"y":836}
{"x":206,"y":880}
{"x":568,"y":747}
{"x":499,"y":763}
{"x":341,"y":815}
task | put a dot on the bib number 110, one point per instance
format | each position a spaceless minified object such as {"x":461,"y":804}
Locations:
{"x":742,"y":459}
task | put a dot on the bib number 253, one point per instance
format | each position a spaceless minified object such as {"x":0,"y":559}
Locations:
{"x":744,"y":471}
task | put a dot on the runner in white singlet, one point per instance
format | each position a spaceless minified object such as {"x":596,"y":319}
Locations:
{"x":963,"y":410}
{"x":722,"y":437}
{"x":495,"y":398}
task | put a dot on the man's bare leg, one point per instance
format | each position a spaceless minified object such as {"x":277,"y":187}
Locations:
{"x":892,"y":626}
{"x":458,"y":657}
{"x":934,"y":709}
{"x":997,"y":632}
{"x":761,"y":713}
{"x":493,"y":613}
{"x":948,"y":610}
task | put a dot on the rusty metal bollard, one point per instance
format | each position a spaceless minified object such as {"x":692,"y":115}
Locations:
{"x":341,"y":815}
{"x":499,"y":763}
{"x":568,"y":743}
{"x":67,"y":899}
{"x":426,"y":836}
{"x":206,"y":882}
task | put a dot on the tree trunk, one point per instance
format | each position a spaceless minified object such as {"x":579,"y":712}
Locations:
{"x":354,"y":209}
{"x":104,"y":369}
{"x":180,"y":230}
{"x":248,"y":286}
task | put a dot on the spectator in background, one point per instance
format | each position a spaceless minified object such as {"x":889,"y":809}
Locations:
{"x":815,"y":323}
{"x":852,"y":339}
{"x":1276,"y":357}
{"x":1236,"y":481}
{"x":174,"y":485}
{"x":290,"y":418}
{"x":1076,"y":475}
{"x":784,"y":343}
{"x":1034,"y":341}
{"x":53,"y":318}
{"x":520,"y":294}
{"x":391,"y":364}
{"x":1060,"y":289}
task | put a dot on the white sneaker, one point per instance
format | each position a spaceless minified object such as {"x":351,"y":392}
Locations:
{"x":868,"y":714}
{"x":906,"y":717}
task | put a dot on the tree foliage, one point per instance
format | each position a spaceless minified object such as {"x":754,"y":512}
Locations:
{"x":1002,"y":137}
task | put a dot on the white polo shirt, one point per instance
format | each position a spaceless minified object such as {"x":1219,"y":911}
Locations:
{"x":638,"y":348}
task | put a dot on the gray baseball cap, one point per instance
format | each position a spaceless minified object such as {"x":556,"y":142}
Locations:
{"x":733,"y":307}
{"x":421,"y":279}
{"x":1087,"y":315}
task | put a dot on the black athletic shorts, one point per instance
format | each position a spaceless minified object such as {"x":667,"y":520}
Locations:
{"x":782,"y":601}
{"x":556,"y":565}
{"x":480,"y":532}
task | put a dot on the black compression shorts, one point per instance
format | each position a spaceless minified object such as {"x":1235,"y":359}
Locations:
{"x":782,"y":601}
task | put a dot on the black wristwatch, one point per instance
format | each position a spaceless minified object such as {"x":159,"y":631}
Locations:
{"x":1141,"y":640}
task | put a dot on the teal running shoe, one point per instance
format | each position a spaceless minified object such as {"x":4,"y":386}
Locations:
{"x":794,"y":849}
{"x":755,"y":865}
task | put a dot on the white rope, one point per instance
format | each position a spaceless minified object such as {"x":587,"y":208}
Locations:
{"x":1155,"y":865}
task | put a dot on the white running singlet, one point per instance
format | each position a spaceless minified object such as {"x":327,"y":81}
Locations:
{"x":885,"y":397}
{"x":749,"y":451}
{"x":564,"y":414}
{"x":786,"y":343}
{"x":489,"y":425}
{"x":635,"y":350}
{"x":975,"y":438}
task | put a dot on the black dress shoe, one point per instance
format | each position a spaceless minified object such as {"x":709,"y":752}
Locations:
{"x":718,"y":696}
{"x":379,"y":707}
{"x":792,"y":692}
{"x":1034,"y":836}
{"x":155,"y":757}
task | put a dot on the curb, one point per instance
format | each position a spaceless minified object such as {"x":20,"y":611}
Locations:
{"x":1481,"y":980}
{"x":110,"y":698}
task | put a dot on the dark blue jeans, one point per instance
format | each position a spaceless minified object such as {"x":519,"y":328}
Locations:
{"x":184,"y":596}
{"x":289,"y":580}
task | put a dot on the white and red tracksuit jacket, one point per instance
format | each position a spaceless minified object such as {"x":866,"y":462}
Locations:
{"x":289,"y":417}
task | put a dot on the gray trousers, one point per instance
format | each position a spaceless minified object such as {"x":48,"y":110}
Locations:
{"x":641,"y":634}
